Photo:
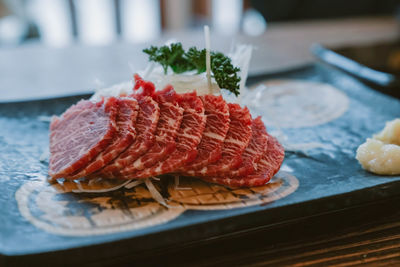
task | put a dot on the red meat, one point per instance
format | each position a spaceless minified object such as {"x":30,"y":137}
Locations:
{"x":188,"y":137}
{"x":254,"y":151}
{"x":155,"y":132}
{"x":146,"y":124}
{"x":168,"y":124}
{"x":236,"y":140}
{"x":267,"y":167}
{"x":217,"y":126}
{"x":126,"y":120}
{"x":80,"y":134}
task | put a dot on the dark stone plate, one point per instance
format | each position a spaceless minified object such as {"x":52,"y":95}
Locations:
{"x":330,"y":180}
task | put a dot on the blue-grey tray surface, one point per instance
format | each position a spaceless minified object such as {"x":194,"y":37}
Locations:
{"x":322,"y":173}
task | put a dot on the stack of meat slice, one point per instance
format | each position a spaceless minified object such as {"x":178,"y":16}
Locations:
{"x":152,"y":132}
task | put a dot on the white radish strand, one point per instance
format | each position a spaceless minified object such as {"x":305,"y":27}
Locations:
{"x":245,"y":56}
{"x":94,"y":181}
{"x":154,"y":192}
{"x":148,"y":70}
{"x":129,"y":184}
{"x":45,"y":118}
{"x":133,"y":184}
{"x":208,"y":57}
{"x":240,"y":55}
{"x":45,"y":155}
{"x":82,"y":190}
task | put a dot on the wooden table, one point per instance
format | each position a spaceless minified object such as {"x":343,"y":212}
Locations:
{"x":371,"y":239}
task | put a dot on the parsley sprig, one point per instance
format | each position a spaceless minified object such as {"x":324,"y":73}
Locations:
{"x":175,"y":57}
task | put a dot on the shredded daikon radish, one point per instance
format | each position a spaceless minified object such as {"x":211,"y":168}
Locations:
{"x":133,"y":184}
{"x":184,"y":82}
{"x":202,"y":83}
{"x":208,"y":57}
{"x":124,"y":88}
{"x":128,"y":185}
{"x":78,"y":184}
{"x":45,"y":155}
{"x":241,"y":57}
{"x":94,"y":181}
{"x":149,"y":69}
{"x":60,"y":180}
{"x":252,"y":98}
{"x":154,"y":192}
{"x":45,"y":118}
{"x":82,"y":190}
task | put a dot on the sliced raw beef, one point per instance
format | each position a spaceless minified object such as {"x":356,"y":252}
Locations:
{"x":188,"y":137}
{"x":126,"y":120}
{"x":80,"y":134}
{"x":267,"y":167}
{"x":146,"y":125}
{"x":254,"y":151}
{"x":168,"y":124}
{"x":148,"y":88}
{"x":236,"y":140}
{"x":217,"y":126}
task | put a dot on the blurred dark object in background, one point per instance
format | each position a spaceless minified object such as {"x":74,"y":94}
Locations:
{"x":289,"y":10}
{"x":377,"y":64}
{"x":384,"y":57}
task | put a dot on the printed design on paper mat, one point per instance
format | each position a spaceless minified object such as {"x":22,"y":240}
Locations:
{"x":56,"y":209}
{"x":297,"y":103}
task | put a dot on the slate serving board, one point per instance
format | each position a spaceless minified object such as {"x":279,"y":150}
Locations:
{"x":329,"y":180}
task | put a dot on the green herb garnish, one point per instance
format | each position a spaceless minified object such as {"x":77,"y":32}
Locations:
{"x":169,"y":56}
{"x":173,"y":56}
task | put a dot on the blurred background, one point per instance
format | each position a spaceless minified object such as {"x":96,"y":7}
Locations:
{"x":59,"y":23}
{"x":101,"y":22}
{"x":51,"y":48}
